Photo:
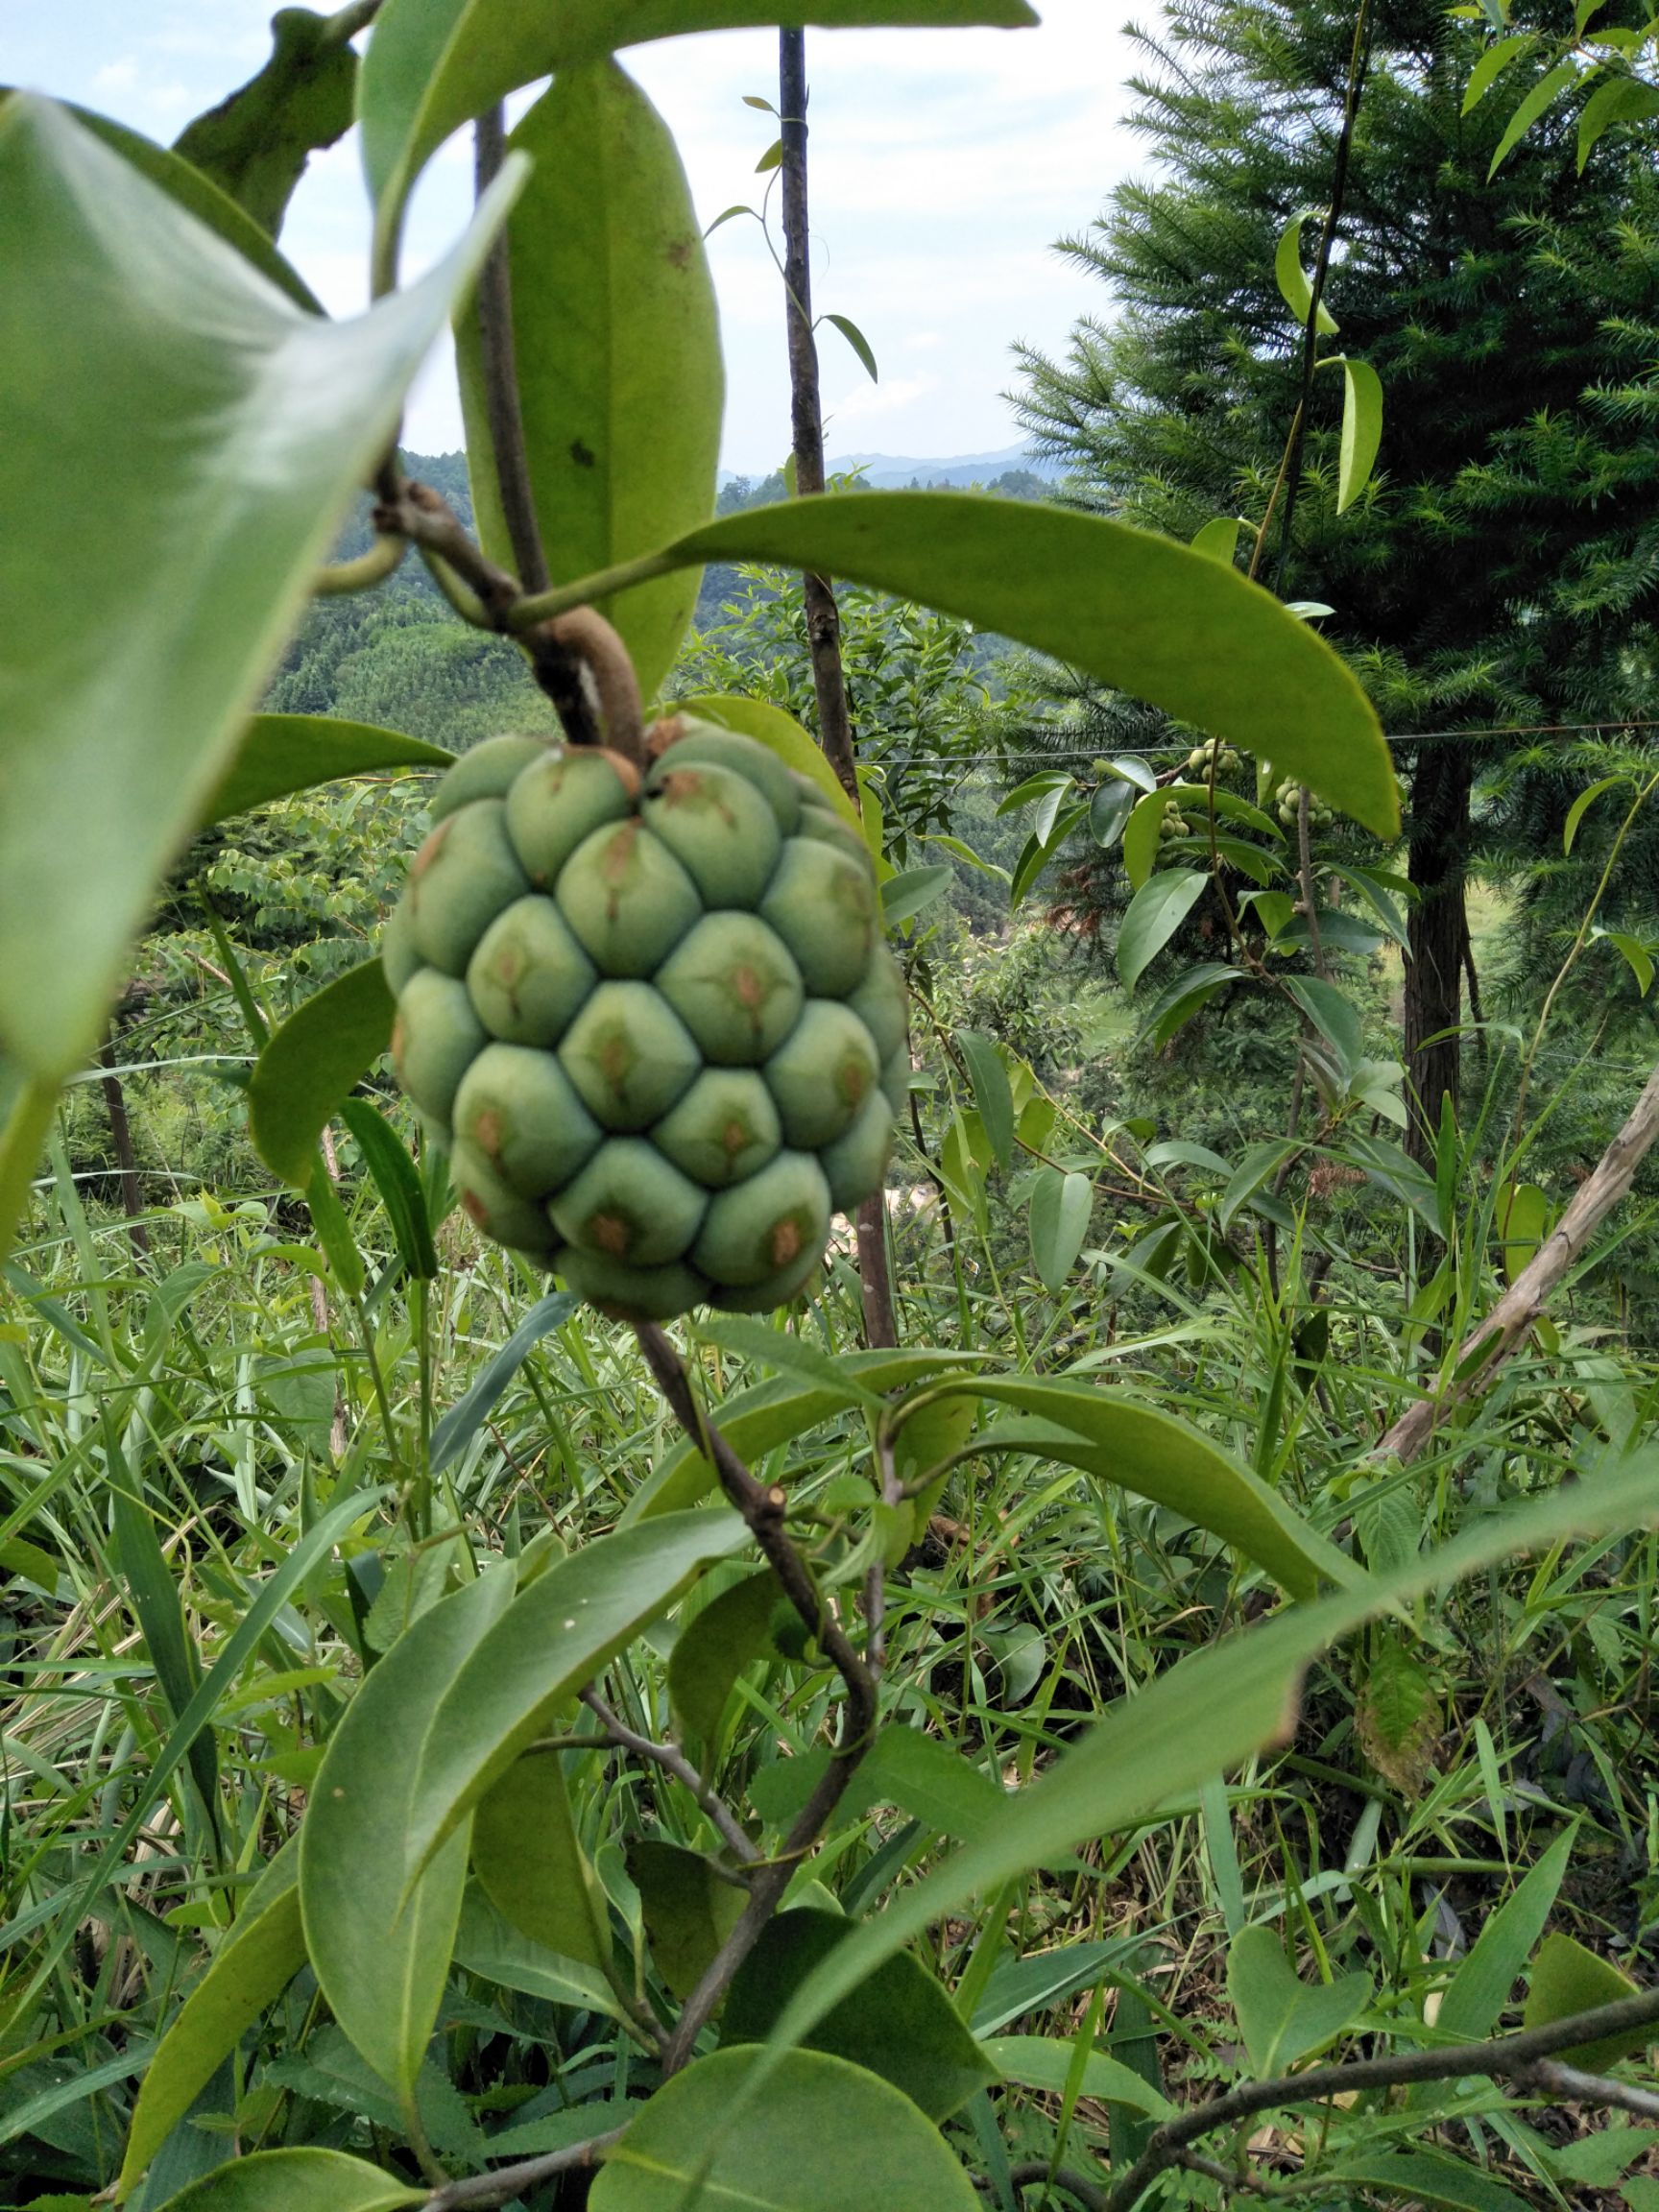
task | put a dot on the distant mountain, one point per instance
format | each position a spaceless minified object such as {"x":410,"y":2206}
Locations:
{"x":894,"y":471}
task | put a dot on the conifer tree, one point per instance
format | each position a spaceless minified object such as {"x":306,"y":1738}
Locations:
{"x":1504,"y":566}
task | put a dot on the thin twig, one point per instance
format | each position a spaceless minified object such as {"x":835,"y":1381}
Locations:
{"x":762,"y":1508}
{"x":506,"y":2182}
{"x":1510,"y":1320}
{"x":1573,"y":2086}
{"x":673,"y":1761}
{"x":1513,"y":2058}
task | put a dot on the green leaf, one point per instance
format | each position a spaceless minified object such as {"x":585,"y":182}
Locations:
{"x":618,"y":348}
{"x":380,"y":1953}
{"x":906,"y":896}
{"x":1492,"y":65}
{"x":1281,"y":2017}
{"x":281,"y":754}
{"x":553,"y":1637}
{"x":1188,"y":995}
{"x":1637,"y":956}
{"x":992,"y":1093}
{"x":434,"y":65}
{"x":1361,"y":430}
{"x":729,"y":1635}
{"x":279,"y":2180}
{"x":1109,"y":809}
{"x":1253,"y":1170}
{"x":929,"y":1780}
{"x":159,"y":1610}
{"x":828,"y":2138}
{"x":1294,"y":288}
{"x":1039,"y":2062}
{"x":1582,"y":804}
{"x":898,"y":2024}
{"x":463,"y":1421}
{"x":1549,"y":89}
{"x":1524,"y":1224}
{"x":859,"y":344}
{"x":1428,"y":2178}
{"x":758,"y":1420}
{"x":1142,"y":837}
{"x":247,"y":427}
{"x":1155,"y":913}
{"x":1333,"y":1014}
{"x":1480,"y":1988}
{"x":1568,"y":1979}
{"x":313,"y":1062}
{"x":398,"y":1182}
{"x":490,"y":1946}
{"x":256,"y":1963}
{"x":1204,"y":1715}
{"x":255,"y":144}
{"x":688,"y":1909}
{"x":1128,"y":607}
{"x":1142,"y":1449}
{"x":531,"y":1865}
{"x":1061,"y":1206}
{"x":1218,"y":540}
{"x":197,"y":196}
{"x":26,"y":1110}
{"x":1620,"y":100}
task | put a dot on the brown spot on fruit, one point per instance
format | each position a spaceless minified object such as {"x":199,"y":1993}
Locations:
{"x":785,"y":1241}
{"x":734,"y":1137}
{"x":611,"y":1233}
{"x":487,"y":1133}
{"x":431,"y":848}
{"x":477,"y":1211}
{"x":680,"y":253}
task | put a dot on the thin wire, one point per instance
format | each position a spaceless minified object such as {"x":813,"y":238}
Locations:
{"x":1062,"y":753}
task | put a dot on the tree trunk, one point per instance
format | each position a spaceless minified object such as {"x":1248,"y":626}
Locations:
{"x":1437,"y":930}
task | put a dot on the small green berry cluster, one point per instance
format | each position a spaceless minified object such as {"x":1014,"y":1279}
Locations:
{"x":1212,"y":751}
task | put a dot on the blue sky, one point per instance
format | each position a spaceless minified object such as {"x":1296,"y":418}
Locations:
{"x":944,"y":165}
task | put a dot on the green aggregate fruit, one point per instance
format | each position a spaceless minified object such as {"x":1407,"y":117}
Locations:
{"x":653,"y":1020}
{"x":460,"y":879}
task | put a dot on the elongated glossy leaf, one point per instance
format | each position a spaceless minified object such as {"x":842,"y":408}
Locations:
{"x":246,"y":425}
{"x":281,"y":754}
{"x":1061,"y":1205}
{"x":1142,"y":837}
{"x":1155,"y":913}
{"x":829,"y":2137}
{"x":554,"y":1637}
{"x":906,"y":896}
{"x":463,"y":1421}
{"x":1582,"y":804}
{"x":859,"y":344}
{"x":313,"y":1062}
{"x":1202,"y":1718}
{"x":279,"y":2180}
{"x":1361,"y":430}
{"x":396,"y":1179}
{"x":26,"y":1109}
{"x":1133,"y":609}
{"x":1492,"y":65}
{"x":489,"y":1945}
{"x":1294,"y":288}
{"x":1184,"y":996}
{"x":255,"y":144}
{"x":1282,"y":2018}
{"x":197,"y":196}
{"x":1620,"y":100}
{"x":757,"y":1421}
{"x":253,"y":1966}
{"x":433,"y":65}
{"x":618,"y":348}
{"x":155,"y":1600}
{"x":1147,"y":1450}
{"x":991,"y":1094}
{"x":898,"y":2024}
{"x":1476,"y":1994}
{"x":1038,"y":2062}
{"x":378,"y":1929}
{"x":531,"y":1865}
{"x":1547,"y":90}
{"x":1568,"y":1979}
